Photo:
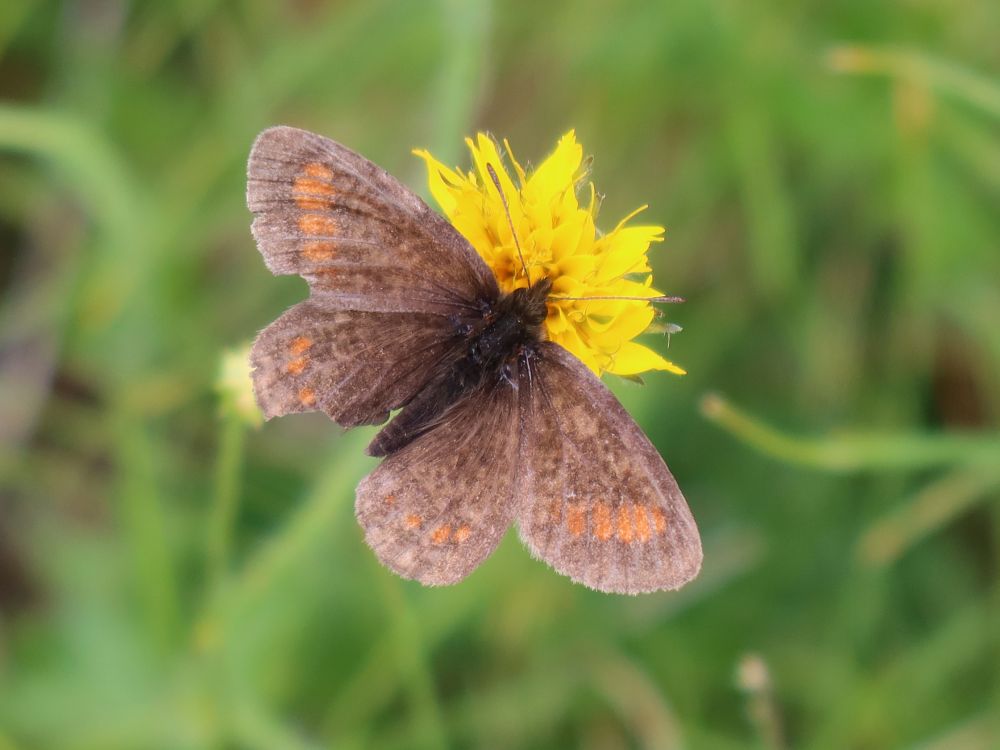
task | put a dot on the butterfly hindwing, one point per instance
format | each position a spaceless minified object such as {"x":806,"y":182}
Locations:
{"x":437,"y":508}
{"x":354,"y":365}
{"x":354,"y":232}
{"x":598,"y":503}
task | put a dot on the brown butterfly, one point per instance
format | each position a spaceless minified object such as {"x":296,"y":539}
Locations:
{"x":497,"y":425}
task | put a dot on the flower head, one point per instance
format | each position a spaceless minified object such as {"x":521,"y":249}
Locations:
{"x":235,"y":387}
{"x":559,"y":241}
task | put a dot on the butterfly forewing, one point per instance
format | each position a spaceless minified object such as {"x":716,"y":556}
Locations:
{"x":597,"y":503}
{"x":354,"y":232}
{"x":437,"y":508}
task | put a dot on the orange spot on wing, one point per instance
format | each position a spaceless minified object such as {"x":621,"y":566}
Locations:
{"x":624,"y":523}
{"x":576,"y":520}
{"x":319,"y":250}
{"x":311,"y":193}
{"x":462,"y":533}
{"x":659,"y":520}
{"x":317,"y":225}
{"x":412,"y":521}
{"x":296,"y":366}
{"x":390,"y":499}
{"x":316,"y":169}
{"x":441,"y":534}
{"x":602,"y":521}
{"x":299,"y":344}
{"x":307,"y":396}
{"x":642,"y":530}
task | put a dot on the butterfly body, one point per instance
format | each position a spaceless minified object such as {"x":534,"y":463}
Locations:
{"x":496,"y":424}
{"x":486,"y":357}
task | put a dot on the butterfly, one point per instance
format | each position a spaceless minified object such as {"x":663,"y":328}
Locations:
{"x":497,"y":426}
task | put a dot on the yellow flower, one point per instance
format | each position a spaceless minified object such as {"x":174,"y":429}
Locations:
{"x":559,"y":241}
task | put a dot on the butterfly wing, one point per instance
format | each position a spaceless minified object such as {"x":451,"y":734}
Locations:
{"x":354,"y":365}
{"x":391,"y":281}
{"x":354,"y":232}
{"x":437,"y":508}
{"x":598,"y":503}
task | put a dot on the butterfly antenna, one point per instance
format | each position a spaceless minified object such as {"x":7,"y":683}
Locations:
{"x":510,"y":221}
{"x":663,"y":298}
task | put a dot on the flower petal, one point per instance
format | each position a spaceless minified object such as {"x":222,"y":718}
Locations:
{"x":571,"y":341}
{"x":625,"y":251}
{"x":513,"y":160}
{"x":485,"y":152}
{"x":445,"y":184}
{"x":633,"y":320}
{"x":557,"y":174}
{"x":634,"y":358}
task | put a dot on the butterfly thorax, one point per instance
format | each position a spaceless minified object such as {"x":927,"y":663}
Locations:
{"x":513,"y":321}
{"x":485,"y":356}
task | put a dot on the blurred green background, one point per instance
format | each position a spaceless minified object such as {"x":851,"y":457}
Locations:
{"x":829,"y":173}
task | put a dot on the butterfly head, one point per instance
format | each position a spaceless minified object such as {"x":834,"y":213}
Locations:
{"x":530,"y":302}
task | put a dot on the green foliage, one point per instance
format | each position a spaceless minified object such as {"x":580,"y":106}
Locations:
{"x":173,"y":577}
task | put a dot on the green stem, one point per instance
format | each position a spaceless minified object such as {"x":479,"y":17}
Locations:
{"x":854,"y":451}
{"x":225,"y":501}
